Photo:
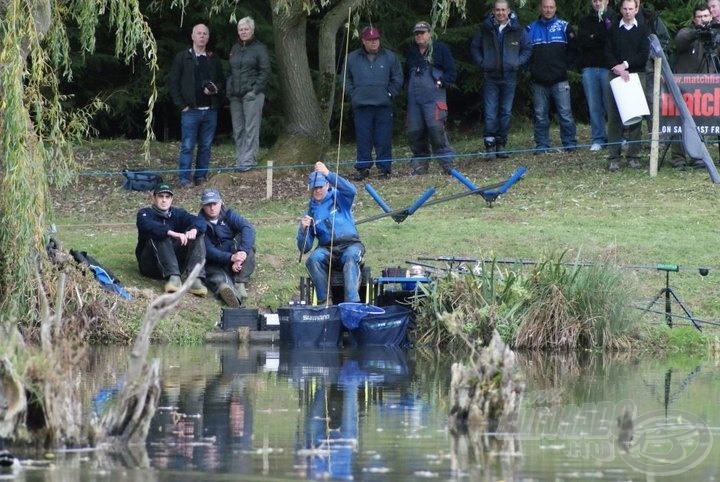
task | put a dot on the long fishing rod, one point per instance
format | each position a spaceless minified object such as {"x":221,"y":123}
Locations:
{"x":702,"y":270}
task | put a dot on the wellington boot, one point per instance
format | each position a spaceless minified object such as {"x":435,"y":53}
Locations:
{"x":174,"y":283}
{"x":500,"y":151}
{"x":227,"y":294}
{"x":198,"y":288}
{"x":241,"y":290}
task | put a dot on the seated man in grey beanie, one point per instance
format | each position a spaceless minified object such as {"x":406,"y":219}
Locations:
{"x":230,"y":248}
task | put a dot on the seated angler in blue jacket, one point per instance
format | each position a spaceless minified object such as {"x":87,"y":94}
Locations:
{"x":170,"y":242}
{"x":329,"y":220}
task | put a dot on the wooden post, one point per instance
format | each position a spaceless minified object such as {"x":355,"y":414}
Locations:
{"x":269,"y":182}
{"x":655,"y":135}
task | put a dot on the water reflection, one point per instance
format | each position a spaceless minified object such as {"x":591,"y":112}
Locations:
{"x":330,"y":431}
{"x":204,"y":416}
{"x":207,"y":422}
{"x":379,"y":413}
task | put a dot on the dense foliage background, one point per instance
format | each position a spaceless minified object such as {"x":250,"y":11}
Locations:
{"x":126,"y":89}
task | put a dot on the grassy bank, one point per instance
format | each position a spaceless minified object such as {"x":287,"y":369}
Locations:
{"x":567,"y":202}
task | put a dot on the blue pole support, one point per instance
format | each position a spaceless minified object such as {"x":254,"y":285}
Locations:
{"x":512,"y":179}
{"x":421,"y":200}
{"x":467,"y":182}
{"x":373,"y":193}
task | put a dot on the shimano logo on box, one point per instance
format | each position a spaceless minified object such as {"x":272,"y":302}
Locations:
{"x":310,"y":317}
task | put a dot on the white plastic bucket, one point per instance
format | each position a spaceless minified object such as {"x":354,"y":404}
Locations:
{"x":630,"y":99}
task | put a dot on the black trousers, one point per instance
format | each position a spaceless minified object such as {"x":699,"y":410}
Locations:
{"x":162,"y":259}
{"x":222,"y":273}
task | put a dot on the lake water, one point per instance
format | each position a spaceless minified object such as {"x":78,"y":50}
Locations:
{"x":261,"y":412}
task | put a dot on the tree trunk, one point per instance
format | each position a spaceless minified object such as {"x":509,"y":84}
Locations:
{"x":327,"y":53}
{"x":305,"y":135}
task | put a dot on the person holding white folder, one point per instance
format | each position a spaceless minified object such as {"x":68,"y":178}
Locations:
{"x":626,"y":53}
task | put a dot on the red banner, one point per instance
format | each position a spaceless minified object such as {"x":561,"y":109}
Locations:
{"x":701,"y":93}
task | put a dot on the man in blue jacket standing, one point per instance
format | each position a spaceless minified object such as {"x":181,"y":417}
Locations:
{"x":429,"y":70}
{"x":329,"y":219}
{"x":500,"y":47}
{"x":553,"y":52}
{"x":170,"y":242}
{"x":373,"y":77}
{"x":230,"y":249}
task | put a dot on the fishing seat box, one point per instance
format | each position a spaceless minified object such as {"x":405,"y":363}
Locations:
{"x":305,"y":326}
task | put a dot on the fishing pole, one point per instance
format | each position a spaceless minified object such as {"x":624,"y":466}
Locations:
{"x":702,"y":270}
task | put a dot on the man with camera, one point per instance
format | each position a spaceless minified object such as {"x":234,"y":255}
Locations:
{"x":697,"y":49}
{"x":196,"y":80}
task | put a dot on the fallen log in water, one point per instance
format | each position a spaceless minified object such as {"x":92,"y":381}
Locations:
{"x":128,"y":420}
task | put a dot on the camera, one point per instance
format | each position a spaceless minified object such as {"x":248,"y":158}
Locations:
{"x":705,"y":31}
{"x":210,"y":86}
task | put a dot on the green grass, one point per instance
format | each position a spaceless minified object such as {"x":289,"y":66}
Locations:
{"x":565,"y":202}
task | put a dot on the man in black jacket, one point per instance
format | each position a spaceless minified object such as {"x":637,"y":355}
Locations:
{"x":500,"y":48}
{"x":170,"y":242}
{"x":229,"y":248}
{"x":196,"y":84}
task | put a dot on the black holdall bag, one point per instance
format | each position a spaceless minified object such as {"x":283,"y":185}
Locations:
{"x":140,"y":180}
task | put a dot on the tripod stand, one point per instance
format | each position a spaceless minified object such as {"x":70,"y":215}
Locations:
{"x":710,"y":63}
{"x":668,"y":292}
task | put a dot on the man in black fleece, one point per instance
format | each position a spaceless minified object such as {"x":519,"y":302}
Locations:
{"x":626,"y":52}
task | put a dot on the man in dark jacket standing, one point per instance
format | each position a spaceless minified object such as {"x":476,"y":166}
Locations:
{"x":230,"y":248}
{"x":553,"y":43}
{"x":429,"y":70}
{"x":170,"y":242}
{"x":373,"y":77}
{"x":691,"y":57}
{"x":196,"y":85}
{"x":500,"y":47}
{"x":592,"y":33}
{"x":249,"y":74}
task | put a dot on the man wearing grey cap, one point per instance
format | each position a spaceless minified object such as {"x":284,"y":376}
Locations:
{"x":429,"y":70}
{"x":373,"y":77}
{"x":170,"y":242}
{"x":230,"y":249}
{"x":329,"y":219}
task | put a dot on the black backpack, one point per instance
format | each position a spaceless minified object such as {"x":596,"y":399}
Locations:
{"x":141,"y":180}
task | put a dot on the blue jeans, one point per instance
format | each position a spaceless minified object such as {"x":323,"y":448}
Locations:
{"x":198,"y":128}
{"x":594,"y":79}
{"x":498,"y":95}
{"x":317,"y":265}
{"x":373,"y":129}
{"x":560,"y":95}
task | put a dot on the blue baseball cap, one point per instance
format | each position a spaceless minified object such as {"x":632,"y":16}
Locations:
{"x":209,"y":196}
{"x":316,"y":180}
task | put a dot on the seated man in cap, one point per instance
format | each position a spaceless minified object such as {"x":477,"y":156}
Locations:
{"x":230,"y":248}
{"x":170,"y":242}
{"x":329,"y":219}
